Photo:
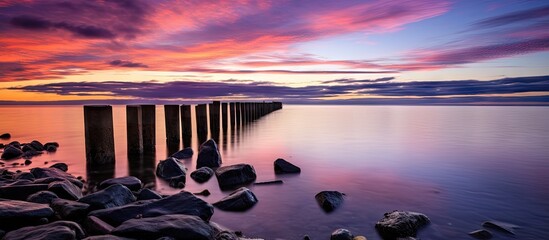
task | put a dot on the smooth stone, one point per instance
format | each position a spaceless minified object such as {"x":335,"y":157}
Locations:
{"x":56,"y":230}
{"x":21,"y":192}
{"x":61,"y":166}
{"x":55,"y":173}
{"x":23,"y":175}
{"x":208,"y":155}
{"x":240,"y":200}
{"x":283,"y":166}
{"x":235,"y":175}
{"x":401,"y":224}
{"x":70,"y":210}
{"x":65,"y":189}
{"x":96,"y":226}
{"x":16,"y":144}
{"x":130,"y":182}
{"x":341,"y":234}
{"x":147,"y":194}
{"x":45,"y":197}
{"x":501,"y":226}
{"x":180,"y":203}
{"x":112,"y":196}
{"x":5,"y":136}
{"x":14,"y":213}
{"x":183,"y":154}
{"x":176,"y":226}
{"x":481,"y":234}
{"x":36,"y":145}
{"x":172,"y":170}
{"x":51,"y":148}
{"x":11,"y":152}
{"x":202,"y":174}
{"x":329,"y":200}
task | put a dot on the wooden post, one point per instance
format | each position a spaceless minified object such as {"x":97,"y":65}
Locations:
{"x":232,"y":112}
{"x":99,"y":135}
{"x":149,"y":127}
{"x":186,"y":128}
{"x":201,"y":121}
{"x":214,"y":117}
{"x":171,"y":116}
{"x":237,"y":113}
{"x":224,"y":117}
{"x":134,"y":130}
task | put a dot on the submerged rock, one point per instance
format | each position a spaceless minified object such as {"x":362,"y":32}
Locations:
{"x":173,"y":171}
{"x":501,"y":226}
{"x":54,"y":230}
{"x":112,"y":196}
{"x":208,"y":155}
{"x":173,"y":226}
{"x":283,"y":166}
{"x":130,"y":182}
{"x":45,"y":197}
{"x":202,"y":174}
{"x":61,"y":166}
{"x":341,"y":234}
{"x":481,"y":234}
{"x":5,"y":136}
{"x":240,"y":200}
{"x":397,"y":224}
{"x":235,"y":175}
{"x":11,"y":152}
{"x":329,"y":200}
{"x":182,"y":154}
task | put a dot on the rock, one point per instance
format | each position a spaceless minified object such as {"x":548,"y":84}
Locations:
{"x":11,"y":152}
{"x":5,"y":136}
{"x":28,"y":162}
{"x":61,"y":166}
{"x":202,"y":174}
{"x":2,"y":233}
{"x":501,"y":226}
{"x":96,"y":226}
{"x":36,"y":145}
{"x":65,"y":189}
{"x":55,"y":173}
{"x":55,"y":144}
{"x":226,"y":235}
{"x":204,"y":192}
{"x":130,"y":182}
{"x":51,"y":148}
{"x":180,"y":203}
{"x":30,"y":153}
{"x":14,"y":213}
{"x":235,"y":175}
{"x":269,"y":182}
{"x":208,"y":155}
{"x":21,"y":192}
{"x":175,"y":226}
{"x":172,"y":170}
{"x":182,"y":154}
{"x":147,"y":194}
{"x":306,"y":237}
{"x":112,"y":196}
{"x":15,"y":144}
{"x":107,"y":237}
{"x":240,"y":200}
{"x":329,"y":200}
{"x":45,"y":197}
{"x":481,"y":234}
{"x":27,"y":147}
{"x":401,"y":224}
{"x":342,"y":234}
{"x":23,"y":175}
{"x":70,"y":210}
{"x":283,"y":166}
{"x":55,"y":230}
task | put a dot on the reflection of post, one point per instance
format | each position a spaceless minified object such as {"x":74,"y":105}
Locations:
{"x":201,"y":121}
{"x":134,"y":130}
{"x":244,"y":113}
{"x":232,"y":113}
{"x":237,"y":113}
{"x":149,"y":127}
{"x":224,"y":119}
{"x":99,"y":135}
{"x":186,"y":129}
{"x":214,"y":117}
{"x":171,"y":113}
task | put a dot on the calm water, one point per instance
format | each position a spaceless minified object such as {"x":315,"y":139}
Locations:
{"x":458,"y":165}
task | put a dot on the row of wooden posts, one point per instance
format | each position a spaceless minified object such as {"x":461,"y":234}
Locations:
{"x":141,"y":125}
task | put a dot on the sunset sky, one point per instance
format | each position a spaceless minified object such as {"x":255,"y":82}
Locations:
{"x":302,"y":51}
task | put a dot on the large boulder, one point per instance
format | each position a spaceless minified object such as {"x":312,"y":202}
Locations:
{"x":70,"y":210}
{"x":174,"y":226}
{"x":283,"y":166}
{"x":240,"y":200}
{"x":173,"y":171}
{"x":55,"y":173}
{"x":65,"y":189}
{"x":180,"y":203}
{"x":202,"y":174}
{"x":11,"y":152}
{"x":397,"y":224}
{"x":183,"y":154}
{"x":21,"y":192}
{"x":130,"y":182}
{"x":14,"y":213}
{"x":235,"y":175}
{"x":45,"y":197}
{"x":56,"y":230}
{"x":208,"y":155}
{"x":329,"y":200}
{"x":112,"y":196}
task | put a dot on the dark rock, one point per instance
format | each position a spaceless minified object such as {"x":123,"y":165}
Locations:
{"x":70,"y":210}
{"x":30,"y":153}
{"x":11,"y":152}
{"x":306,"y":237}
{"x":175,"y":226}
{"x":2,"y":233}
{"x":342,"y":234}
{"x":21,"y":192}
{"x":269,"y":182}
{"x":27,"y":147}
{"x":61,"y":166}
{"x":397,"y":224}
{"x":2,"y":146}
{"x":15,"y":144}
{"x":14,"y":213}
{"x":204,"y":192}
{"x":5,"y":136}
{"x":51,"y":144}
{"x":65,"y":189}
{"x":283,"y":166}
{"x":107,"y":237}
{"x":208,"y":155}
{"x":235,"y":175}
{"x":130,"y":182}
{"x":329,"y":200}
{"x":173,"y":171}
{"x":55,"y":173}
{"x":240,"y":200}
{"x":28,"y":162}
{"x":51,"y":148}
{"x":45,"y":197}
{"x":500,"y":226}
{"x":226,"y":235}
{"x":96,"y":226}
{"x":112,"y":196}
{"x":481,"y":234}
{"x":147,"y":194}
{"x":182,"y":154}
{"x":55,"y":230}
{"x":202,"y":174}
{"x":23,"y":175}
{"x":37,"y":145}
{"x":180,"y":203}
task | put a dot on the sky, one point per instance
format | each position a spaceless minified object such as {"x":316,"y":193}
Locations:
{"x":301,"y":51}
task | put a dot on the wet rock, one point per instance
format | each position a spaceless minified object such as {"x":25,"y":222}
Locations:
{"x":21,"y":192}
{"x":182,"y":154}
{"x":269,"y":182}
{"x":172,"y":170}
{"x":37,"y":145}
{"x":15,"y":144}
{"x":28,"y":162}
{"x":204,"y":192}
{"x":14,"y":213}
{"x":235,"y":175}
{"x":240,"y":200}
{"x":283,"y":166}
{"x":55,"y":230}
{"x":202,"y":174}
{"x":70,"y":210}
{"x":55,"y":144}
{"x":51,"y":148}
{"x":175,"y":226}
{"x":342,"y":234}
{"x":61,"y":166}
{"x":30,"y":153}
{"x":112,"y":196}
{"x":226,"y":235}
{"x":65,"y":189}
{"x":2,"y":145}
{"x":481,"y":234}
{"x":11,"y":152}
{"x":180,"y":203}
{"x":45,"y":197}
{"x":147,"y":194}
{"x":23,"y":175}
{"x":27,"y":147}
{"x":55,"y":173}
{"x":96,"y":226}
{"x":5,"y":136}
{"x":208,"y":155}
{"x":501,"y":226}
{"x":397,"y":224}
{"x":130,"y":182}
{"x":329,"y":200}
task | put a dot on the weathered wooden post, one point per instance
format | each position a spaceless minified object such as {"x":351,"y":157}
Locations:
{"x":201,"y":121}
{"x":171,"y":116}
{"x":232,"y":112}
{"x":149,"y":127}
{"x":186,"y":128}
{"x":99,"y":136}
{"x":134,"y":130}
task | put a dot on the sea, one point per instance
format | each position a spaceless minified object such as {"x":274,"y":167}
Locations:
{"x":459,"y":165}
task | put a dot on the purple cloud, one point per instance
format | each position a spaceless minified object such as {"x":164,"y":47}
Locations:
{"x":120,"y":63}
